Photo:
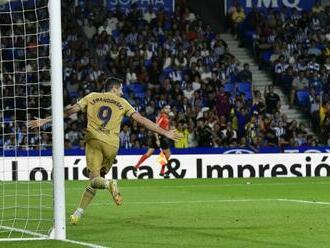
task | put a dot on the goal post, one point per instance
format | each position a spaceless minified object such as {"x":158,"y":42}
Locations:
{"x":32,"y":190}
{"x":57,"y":113}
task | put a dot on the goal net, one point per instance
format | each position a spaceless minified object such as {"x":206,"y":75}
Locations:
{"x":26,"y":186}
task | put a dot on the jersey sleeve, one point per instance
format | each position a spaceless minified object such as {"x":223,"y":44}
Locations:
{"x":129,"y":110}
{"x":83,"y":102}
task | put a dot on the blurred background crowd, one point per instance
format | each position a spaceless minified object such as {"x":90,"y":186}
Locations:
{"x":176,"y":59}
{"x":294,"y":46}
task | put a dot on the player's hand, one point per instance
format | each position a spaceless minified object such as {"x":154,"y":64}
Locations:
{"x":158,"y":142}
{"x":173,"y":135}
{"x":38,"y":122}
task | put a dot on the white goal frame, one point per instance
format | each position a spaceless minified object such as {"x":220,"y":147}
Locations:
{"x":59,"y":230}
{"x":57,"y":121}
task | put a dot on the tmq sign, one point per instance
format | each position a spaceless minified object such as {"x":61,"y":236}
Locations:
{"x":293,"y":4}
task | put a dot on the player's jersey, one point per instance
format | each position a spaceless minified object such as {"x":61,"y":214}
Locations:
{"x":105,"y":112}
{"x":163,"y":121}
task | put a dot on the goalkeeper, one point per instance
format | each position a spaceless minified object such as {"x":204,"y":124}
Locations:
{"x":104,"y":115}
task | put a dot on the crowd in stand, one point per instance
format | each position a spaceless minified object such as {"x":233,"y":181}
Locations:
{"x":295,"y":46}
{"x":175,"y":59}
{"x":170,"y":58}
{"x":24,"y":75}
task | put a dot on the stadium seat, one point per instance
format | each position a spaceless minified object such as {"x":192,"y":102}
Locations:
{"x":229,"y":87}
{"x":167,"y":70}
{"x":167,"y":25}
{"x":244,"y":86}
{"x":125,"y":88}
{"x":303,"y":97}
{"x":248,"y":95}
{"x":266,"y":56}
{"x":162,"y":77}
{"x":136,"y":87}
{"x":115,"y":33}
{"x":140,"y":94}
{"x":248,"y":36}
{"x":161,"y":38}
{"x":147,"y":63}
{"x":233,"y":78}
{"x":74,"y":94}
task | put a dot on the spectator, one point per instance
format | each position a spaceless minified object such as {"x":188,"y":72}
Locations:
{"x":245,"y":75}
{"x":204,"y":138}
{"x":124,"y":137}
{"x":130,"y":76}
{"x":238,"y":17}
{"x":149,"y":15}
{"x":222,"y":103}
{"x":180,"y":61}
{"x":183,"y":142}
{"x":89,"y":29}
{"x":192,"y":140}
{"x":272,"y":100}
{"x":105,"y":28}
{"x":242,"y":120}
{"x":228,"y":135}
{"x":189,"y":91}
{"x":318,"y":8}
{"x":280,"y":67}
{"x":299,"y":83}
{"x":73,"y":135}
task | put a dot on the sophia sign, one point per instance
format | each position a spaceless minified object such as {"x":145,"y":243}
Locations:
{"x":167,"y":5}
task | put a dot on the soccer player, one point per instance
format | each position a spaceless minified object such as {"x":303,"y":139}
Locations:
{"x":162,"y":142}
{"x":105,"y":112}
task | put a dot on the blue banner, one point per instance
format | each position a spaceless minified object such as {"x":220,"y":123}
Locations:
{"x":167,"y":5}
{"x":301,"y":5}
{"x":199,"y":150}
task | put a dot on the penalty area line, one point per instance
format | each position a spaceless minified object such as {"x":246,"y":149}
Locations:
{"x":243,"y":184}
{"x":214,"y":201}
{"x":304,"y":201}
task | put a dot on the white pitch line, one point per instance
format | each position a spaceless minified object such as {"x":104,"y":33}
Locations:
{"x":22,"y":239}
{"x":209,"y":185}
{"x":42,"y":237}
{"x":304,"y":201}
{"x":37,"y":235}
{"x":177,"y":202}
{"x":62,"y":240}
{"x":84,"y":244}
{"x":210,"y":201}
{"x":198,"y":201}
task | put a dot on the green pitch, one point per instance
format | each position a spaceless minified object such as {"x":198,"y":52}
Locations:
{"x":203,"y":213}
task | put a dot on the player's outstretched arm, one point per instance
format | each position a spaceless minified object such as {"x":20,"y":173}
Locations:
{"x":171,"y":134}
{"x":38,"y":122}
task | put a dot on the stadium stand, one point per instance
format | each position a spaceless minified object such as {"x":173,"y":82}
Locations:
{"x":294,"y":47}
{"x":175,"y":59}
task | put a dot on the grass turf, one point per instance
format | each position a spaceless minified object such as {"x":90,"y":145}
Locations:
{"x":202,"y":213}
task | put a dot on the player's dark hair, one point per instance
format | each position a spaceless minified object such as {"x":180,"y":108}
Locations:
{"x":111,"y":82}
